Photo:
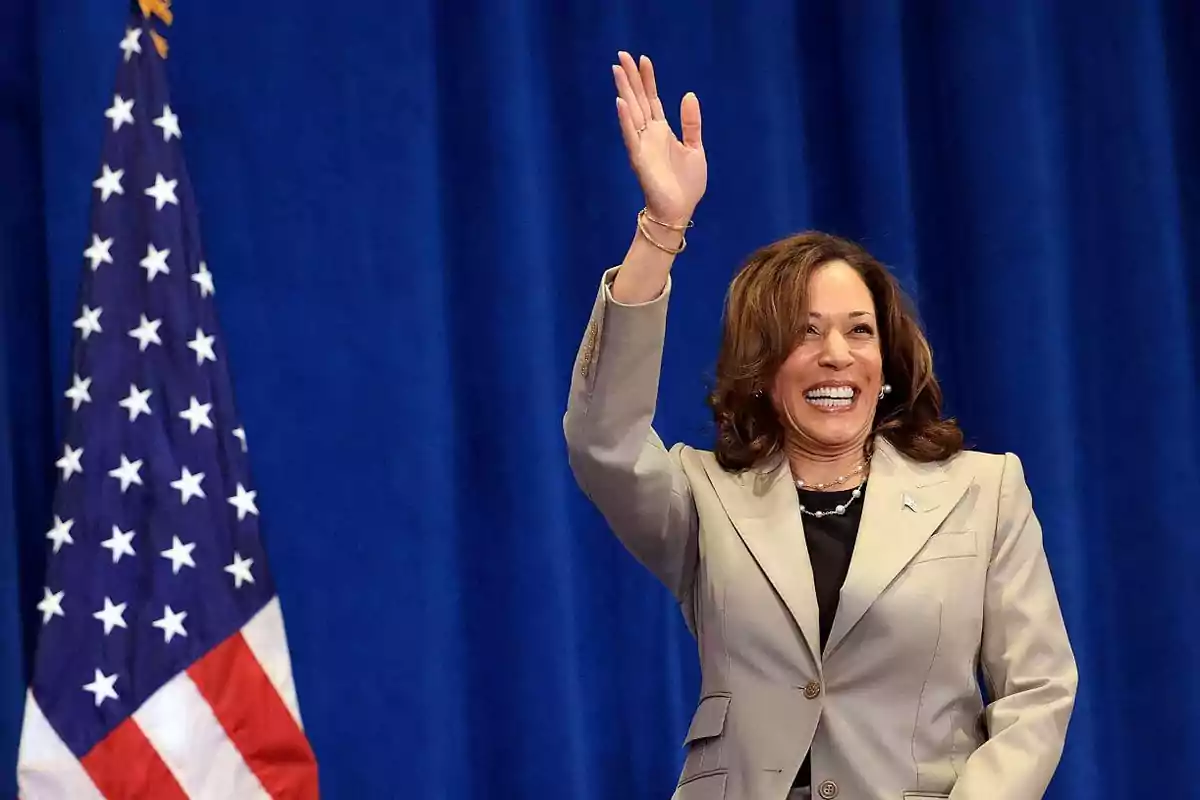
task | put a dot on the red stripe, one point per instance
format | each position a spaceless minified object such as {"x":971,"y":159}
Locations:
{"x":125,"y":765}
{"x":256,"y":720}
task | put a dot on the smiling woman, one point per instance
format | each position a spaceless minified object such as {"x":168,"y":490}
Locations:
{"x":821,"y":349}
{"x":845,"y":566}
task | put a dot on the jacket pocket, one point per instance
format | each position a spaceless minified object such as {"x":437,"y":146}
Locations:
{"x":704,"y":741}
{"x":709,"y":786}
{"x":709,"y":719}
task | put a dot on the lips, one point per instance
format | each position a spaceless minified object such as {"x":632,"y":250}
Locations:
{"x":831,"y":397}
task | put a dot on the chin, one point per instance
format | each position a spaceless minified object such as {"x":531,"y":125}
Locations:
{"x":833,"y":429}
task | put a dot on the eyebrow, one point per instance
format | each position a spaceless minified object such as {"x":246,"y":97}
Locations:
{"x":852,"y":315}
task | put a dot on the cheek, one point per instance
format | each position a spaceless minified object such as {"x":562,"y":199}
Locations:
{"x":872,"y":360}
{"x":791,"y":373}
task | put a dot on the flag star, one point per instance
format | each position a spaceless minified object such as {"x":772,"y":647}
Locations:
{"x":136,"y":402}
{"x":171,"y":623}
{"x":204,"y":280}
{"x":60,"y":534}
{"x":102,"y":687}
{"x":203,"y":345}
{"x":180,"y":554}
{"x":69,"y":463}
{"x":51,"y":605}
{"x":244,"y":502}
{"x":155,"y":262}
{"x":127,"y":473}
{"x":121,"y":543}
{"x":146,"y":333}
{"x":109,"y":183}
{"x":130,"y":43}
{"x":89,"y":321}
{"x":120,"y":112}
{"x":240,"y":433}
{"x":163,"y":192}
{"x":113,"y":616}
{"x":240,"y":570}
{"x":79,"y":393}
{"x":169,"y":123}
{"x":188,"y":485}
{"x":99,"y":253}
{"x":197,"y":415}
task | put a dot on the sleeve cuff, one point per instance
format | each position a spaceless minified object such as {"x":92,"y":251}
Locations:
{"x":610,"y":275}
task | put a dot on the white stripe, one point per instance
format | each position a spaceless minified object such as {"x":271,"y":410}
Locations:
{"x":267,"y":640}
{"x":46,"y":767}
{"x":191,"y":742}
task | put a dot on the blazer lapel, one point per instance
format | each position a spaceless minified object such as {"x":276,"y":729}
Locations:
{"x":763,"y":506}
{"x":904,"y":504}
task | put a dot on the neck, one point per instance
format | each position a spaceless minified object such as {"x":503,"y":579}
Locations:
{"x":817,"y":466}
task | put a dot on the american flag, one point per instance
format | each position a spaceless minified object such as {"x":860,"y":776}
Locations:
{"x":162,"y":668}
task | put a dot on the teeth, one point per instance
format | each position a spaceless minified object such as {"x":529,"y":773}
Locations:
{"x":831,"y":402}
{"x":834,"y":392}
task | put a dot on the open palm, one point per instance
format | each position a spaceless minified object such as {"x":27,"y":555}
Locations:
{"x":673,"y":172}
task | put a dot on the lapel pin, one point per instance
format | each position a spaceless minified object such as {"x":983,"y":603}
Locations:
{"x":909,"y":503}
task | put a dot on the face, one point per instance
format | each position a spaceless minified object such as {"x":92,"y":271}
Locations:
{"x":827,"y":389}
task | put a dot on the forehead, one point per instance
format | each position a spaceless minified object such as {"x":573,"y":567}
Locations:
{"x":837,"y":288}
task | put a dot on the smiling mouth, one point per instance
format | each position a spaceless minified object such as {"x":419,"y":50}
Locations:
{"x":831,"y":398}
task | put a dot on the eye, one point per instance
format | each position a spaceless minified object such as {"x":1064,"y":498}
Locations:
{"x":812,"y":331}
{"x":864,"y":328}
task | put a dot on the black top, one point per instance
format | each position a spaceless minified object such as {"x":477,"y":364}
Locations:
{"x":830,"y":540}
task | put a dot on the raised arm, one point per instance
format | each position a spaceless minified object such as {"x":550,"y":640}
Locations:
{"x":617,"y":458}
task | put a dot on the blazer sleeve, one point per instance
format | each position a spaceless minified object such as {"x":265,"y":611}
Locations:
{"x":618,"y":460}
{"x":1026,"y":658}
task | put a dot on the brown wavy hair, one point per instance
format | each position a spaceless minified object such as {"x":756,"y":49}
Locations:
{"x":765,"y":317}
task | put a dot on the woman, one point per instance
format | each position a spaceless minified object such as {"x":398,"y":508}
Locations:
{"x":846,"y":567}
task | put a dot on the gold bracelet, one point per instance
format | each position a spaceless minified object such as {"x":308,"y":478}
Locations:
{"x":645,"y":212}
{"x":673,"y":251}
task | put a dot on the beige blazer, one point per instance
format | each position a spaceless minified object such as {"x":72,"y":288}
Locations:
{"x":948,"y":577}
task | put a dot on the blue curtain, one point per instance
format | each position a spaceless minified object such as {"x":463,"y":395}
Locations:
{"x":407,"y":208}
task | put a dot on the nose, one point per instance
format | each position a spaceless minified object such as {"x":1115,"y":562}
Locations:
{"x":835,"y":353}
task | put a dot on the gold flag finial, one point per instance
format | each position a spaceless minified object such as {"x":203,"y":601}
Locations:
{"x":157,"y":8}
{"x":162,"y":10}
{"x":160,"y":44}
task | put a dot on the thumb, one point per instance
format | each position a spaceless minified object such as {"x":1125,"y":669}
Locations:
{"x":689,"y":120}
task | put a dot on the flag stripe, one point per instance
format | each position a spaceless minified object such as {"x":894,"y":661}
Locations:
{"x":256,"y":719}
{"x":188,"y":737}
{"x":124,"y":766}
{"x":266,"y":637}
{"x":48,"y":770}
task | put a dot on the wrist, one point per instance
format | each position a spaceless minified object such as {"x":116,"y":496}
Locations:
{"x":668,"y":236}
{"x":676,"y":221}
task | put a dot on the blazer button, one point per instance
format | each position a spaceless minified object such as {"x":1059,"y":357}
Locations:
{"x":828,"y":790}
{"x":812,"y":690}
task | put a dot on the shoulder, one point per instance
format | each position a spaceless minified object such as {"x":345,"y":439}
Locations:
{"x":1000,"y":482}
{"x":987,"y":468}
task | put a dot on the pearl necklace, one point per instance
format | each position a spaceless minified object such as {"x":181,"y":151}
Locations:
{"x":819,"y":487}
{"x":838,"y":510}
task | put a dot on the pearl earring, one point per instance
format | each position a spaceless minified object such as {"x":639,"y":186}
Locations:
{"x":887,"y":389}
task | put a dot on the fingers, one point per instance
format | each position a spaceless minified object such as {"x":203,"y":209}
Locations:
{"x":651,"y":88}
{"x":689,"y":120}
{"x":628,"y":128}
{"x":625,"y":93}
{"x":634,"y":77}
